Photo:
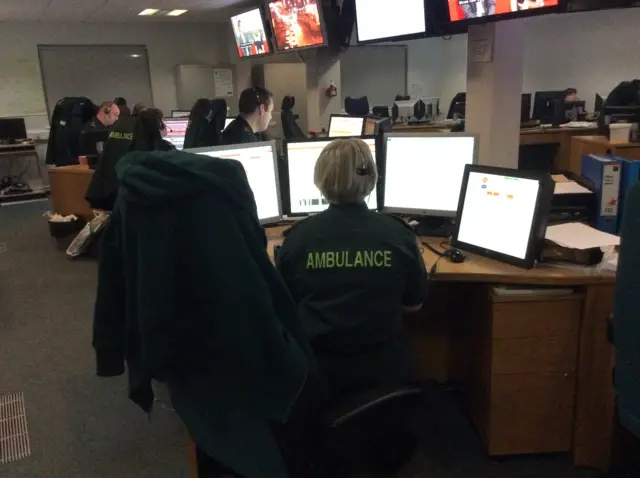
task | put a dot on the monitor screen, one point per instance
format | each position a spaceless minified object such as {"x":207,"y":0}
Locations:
{"x":296,"y":24}
{"x":375,"y":21}
{"x":424,"y":172}
{"x":180,"y":113}
{"x":227,"y":122}
{"x":13,"y":128}
{"x":471,"y":9}
{"x":176,"y":131}
{"x":248,"y":30}
{"x":259,"y":161}
{"x":497,"y":213}
{"x":305,"y":197}
{"x":345,"y":125}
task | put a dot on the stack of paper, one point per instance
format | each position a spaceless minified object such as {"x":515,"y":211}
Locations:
{"x":570,"y":187}
{"x":575,"y":235}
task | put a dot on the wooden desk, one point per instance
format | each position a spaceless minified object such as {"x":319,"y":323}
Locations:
{"x":68,"y":188}
{"x":22,"y":150}
{"x":600,"y":145}
{"x":421,"y":128}
{"x":535,"y":369}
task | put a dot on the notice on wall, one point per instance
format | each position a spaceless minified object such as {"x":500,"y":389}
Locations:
{"x":223,"y":81}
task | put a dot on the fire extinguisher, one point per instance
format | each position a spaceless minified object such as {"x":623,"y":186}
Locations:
{"x":331,"y":90}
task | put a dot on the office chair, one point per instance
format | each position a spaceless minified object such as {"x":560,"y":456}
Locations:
{"x":626,"y":327}
{"x":290,"y":127}
{"x":456,"y":105}
{"x":68,"y":118}
{"x":381,"y":111}
{"x":357,"y":106}
{"x":402,"y":98}
{"x":537,"y":157}
{"x":206,"y":122}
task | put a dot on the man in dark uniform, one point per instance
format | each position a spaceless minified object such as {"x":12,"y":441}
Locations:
{"x":256,"y":109}
{"x":107,"y":115}
{"x":353,"y":272}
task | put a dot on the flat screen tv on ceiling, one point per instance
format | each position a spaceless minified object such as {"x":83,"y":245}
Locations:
{"x":493,"y":10}
{"x":297,"y":24}
{"x":375,"y":21}
{"x":249,"y":33}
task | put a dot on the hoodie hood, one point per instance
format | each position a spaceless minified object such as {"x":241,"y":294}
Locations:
{"x":155,"y":178}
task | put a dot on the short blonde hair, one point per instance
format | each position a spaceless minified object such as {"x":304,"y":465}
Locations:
{"x":345,"y":171}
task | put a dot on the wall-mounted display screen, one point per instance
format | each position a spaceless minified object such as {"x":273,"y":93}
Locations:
{"x":296,"y":24}
{"x":471,"y":9}
{"x":248,"y":30}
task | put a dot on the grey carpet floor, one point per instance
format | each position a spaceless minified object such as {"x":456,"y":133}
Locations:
{"x":85,"y":427}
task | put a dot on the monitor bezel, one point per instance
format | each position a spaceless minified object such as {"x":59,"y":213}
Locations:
{"x":538,"y":223}
{"x":173,"y":112}
{"x":323,"y":28}
{"x":408,"y":36}
{"x":534,"y":12}
{"x":261,"y":144}
{"x":422,"y":212}
{"x":287,"y":200}
{"x":168,"y":121}
{"x":264,"y":27}
{"x":364,"y":118}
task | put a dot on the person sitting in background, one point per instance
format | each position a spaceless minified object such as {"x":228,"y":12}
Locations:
{"x":137,"y":108}
{"x":353,"y":272}
{"x":156,"y":115}
{"x":124,"y":111}
{"x":256,"y":108}
{"x":120,"y":101}
{"x":570,"y":94}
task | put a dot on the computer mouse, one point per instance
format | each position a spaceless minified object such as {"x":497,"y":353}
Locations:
{"x":455,"y":255}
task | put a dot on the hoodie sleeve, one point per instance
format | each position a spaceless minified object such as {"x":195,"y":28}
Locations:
{"x":109,"y":320}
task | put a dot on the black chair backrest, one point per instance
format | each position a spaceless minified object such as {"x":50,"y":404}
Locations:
{"x":133,"y":133}
{"x":290,"y":127}
{"x":402,"y":98}
{"x":626,"y":327}
{"x":381,"y":111}
{"x":206,"y":122}
{"x":537,"y":157}
{"x":357,"y":106}
{"x":67,"y":120}
{"x":455,"y":106}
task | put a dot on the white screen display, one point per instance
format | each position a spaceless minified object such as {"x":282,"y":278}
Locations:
{"x":497,"y":213}
{"x":180,"y":114}
{"x":378,"y":19}
{"x":425,"y":174}
{"x":176,"y":130}
{"x":227,"y":122}
{"x":259,"y":164}
{"x":305,"y":196}
{"x":345,"y":126}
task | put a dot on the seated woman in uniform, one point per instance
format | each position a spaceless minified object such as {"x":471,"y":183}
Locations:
{"x":256,"y":108}
{"x":353,"y":272}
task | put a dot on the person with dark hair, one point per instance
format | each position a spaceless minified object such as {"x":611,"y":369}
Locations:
{"x":137,"y":108}
{"x":120,"y":101}
{"x":155,"y":116}
{"x":570,"y":94}
{"x":124,"y":111}
{"x":256,"y":108}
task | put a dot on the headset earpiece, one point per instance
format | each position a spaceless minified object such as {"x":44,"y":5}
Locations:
{"x":362,"y":169}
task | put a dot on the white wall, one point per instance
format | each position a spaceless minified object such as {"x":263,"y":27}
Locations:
{"x":591,"y":51}
{"x":167,"y":46}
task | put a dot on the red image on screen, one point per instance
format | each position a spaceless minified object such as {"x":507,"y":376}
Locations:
{"x":468,"y":9}
{"x":296,"y":24}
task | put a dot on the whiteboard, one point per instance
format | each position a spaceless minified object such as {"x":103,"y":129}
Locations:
{"x":378,"y":72}
{"x":21,"y":91}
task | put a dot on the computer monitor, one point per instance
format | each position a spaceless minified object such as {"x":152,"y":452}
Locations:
{"x":260,"y":164}
{"x":432,"y":107}
{"x":297,"y":24}
{"x":375,"y":21}
{"x":479,"y":11}
{"x":176,"y":131}
{"x":304,"y":196}
{"x":345,"y":125}
{"x":546,"y":104}
{"x":503,"y":213}
{"x":227,"y":122}
{"x":180,"y":113}
{"x":525,"y":107}
{"x":573,"y":110}
{"x":12,"y":129}
{"x":423,"y":172}
{"x":405,"y":107}
{"x":249,"y":33}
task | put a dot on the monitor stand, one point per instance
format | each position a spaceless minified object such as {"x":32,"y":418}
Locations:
{"x":435,"y":226}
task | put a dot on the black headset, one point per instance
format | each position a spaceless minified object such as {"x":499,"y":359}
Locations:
{"x":362,"y":169}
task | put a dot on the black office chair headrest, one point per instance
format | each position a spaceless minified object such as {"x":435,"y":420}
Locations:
{"x":357,"y":106}
{"x":402,"y":98}
{"x":288,"y":102}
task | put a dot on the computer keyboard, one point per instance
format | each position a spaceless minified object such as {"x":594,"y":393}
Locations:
{"x":580,"y":124}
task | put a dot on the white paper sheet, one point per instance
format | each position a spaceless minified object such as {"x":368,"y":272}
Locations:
{"x":570,"y":187}
{"x":580,"y":236}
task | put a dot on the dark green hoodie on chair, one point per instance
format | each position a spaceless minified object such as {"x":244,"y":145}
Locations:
{"x":187,"y":294}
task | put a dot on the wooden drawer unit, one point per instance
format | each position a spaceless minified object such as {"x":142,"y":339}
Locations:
{"x":530,"y":374}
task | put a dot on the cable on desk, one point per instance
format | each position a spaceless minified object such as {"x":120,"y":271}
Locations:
{"x":440,"y":255}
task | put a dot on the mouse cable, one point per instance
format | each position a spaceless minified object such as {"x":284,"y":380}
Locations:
{"x":440,"y":255}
